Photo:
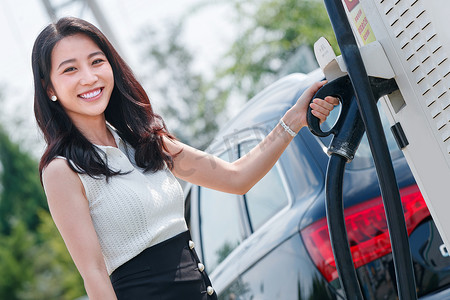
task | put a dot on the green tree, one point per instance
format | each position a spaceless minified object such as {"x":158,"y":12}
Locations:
{"x":34,"y":262}
{"x":275,"y":38}
{"x":37,"y":265}
{"x":16,"y":261}
{"x":55,"y":274}
{"x":192,"y":106}
{"x":21,"y":193}
{"x":275,"y":34}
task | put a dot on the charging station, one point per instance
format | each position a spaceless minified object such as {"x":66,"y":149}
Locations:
{"x":396,"y":51}
{"x":407,"y":40}
{"x":415,"y":40}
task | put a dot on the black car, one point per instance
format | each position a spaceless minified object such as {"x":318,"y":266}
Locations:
{"x":273,"y":242}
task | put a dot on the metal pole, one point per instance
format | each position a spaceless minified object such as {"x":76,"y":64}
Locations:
{"x":96,"y":11}
{"x":103,"y":23}
{"x":50,"y":10}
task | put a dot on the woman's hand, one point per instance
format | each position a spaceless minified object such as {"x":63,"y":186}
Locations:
{"x":321,"y":108}
{"x":295,"y":117}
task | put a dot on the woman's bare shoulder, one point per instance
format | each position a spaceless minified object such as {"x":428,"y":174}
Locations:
{"x":55,"y":167}
{"x":58,"y":172}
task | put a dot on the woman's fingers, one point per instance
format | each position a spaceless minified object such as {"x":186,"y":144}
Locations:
{"x":332,"y":100}
{"x":321,"y":108}
{"x":324,"y":105}
{"x":319,"y":113}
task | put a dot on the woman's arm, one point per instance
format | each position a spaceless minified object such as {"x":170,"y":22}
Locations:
{"x":238,"y":177}
{"x":70,"y":211}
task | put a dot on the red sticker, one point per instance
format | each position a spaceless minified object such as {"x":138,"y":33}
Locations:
{"x":351,"y":4}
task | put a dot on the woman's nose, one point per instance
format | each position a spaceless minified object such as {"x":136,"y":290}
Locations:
{"x":88,"y":77}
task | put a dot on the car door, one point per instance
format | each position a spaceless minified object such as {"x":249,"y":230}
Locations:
{"x":239,"y":236}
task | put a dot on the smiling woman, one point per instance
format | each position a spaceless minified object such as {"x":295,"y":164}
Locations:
{"x":82,"y":79}
{"x":108,"y":169}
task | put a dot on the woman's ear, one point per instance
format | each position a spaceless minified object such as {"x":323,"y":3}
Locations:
{"x":49,"y":90}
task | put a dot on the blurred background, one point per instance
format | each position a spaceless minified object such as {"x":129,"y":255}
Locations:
{"x":198,"y":60}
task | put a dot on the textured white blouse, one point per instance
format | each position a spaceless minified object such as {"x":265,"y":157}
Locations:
{"x":134,"y":211}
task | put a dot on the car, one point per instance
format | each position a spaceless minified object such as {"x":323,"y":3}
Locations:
{"x":273,"y":241}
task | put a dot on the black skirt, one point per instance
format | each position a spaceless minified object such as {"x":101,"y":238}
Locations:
{"x":169,"y":270}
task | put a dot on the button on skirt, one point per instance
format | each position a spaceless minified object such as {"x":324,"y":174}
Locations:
{"x":169,"y":270}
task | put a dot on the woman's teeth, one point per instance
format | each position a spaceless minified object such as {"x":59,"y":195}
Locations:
{"x":90,"y":94}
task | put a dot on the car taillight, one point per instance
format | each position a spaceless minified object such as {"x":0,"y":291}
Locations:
{"x":367,"y":231}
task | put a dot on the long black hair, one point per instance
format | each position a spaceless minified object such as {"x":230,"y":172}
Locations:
{"x":129,"y":109}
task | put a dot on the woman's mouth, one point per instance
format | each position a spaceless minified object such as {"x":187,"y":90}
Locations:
{"x":91,"y":95}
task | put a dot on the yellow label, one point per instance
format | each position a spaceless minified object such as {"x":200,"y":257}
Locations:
{"x":360,"y":21}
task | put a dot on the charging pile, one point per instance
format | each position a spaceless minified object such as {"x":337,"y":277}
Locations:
{"x":396,"y":50}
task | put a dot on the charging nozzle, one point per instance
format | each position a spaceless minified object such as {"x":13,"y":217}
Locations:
{"x":349,"y":128}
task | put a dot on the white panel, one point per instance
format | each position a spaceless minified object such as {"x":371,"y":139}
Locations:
{"x":414,"y":35}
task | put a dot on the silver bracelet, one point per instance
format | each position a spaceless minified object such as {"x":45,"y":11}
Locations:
{"x":287,"y":129}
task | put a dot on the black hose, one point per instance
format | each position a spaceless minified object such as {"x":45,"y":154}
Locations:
{"x":337,"y":229}
{"x":348,"y":132}
{"x":389,"y":190}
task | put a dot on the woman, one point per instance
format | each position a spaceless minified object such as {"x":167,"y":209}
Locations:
{"x":107,"y":169}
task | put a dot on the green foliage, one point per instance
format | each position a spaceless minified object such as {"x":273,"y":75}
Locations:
{"x":192,"y":105}
{"x":15,"y":261}
{"x":275,"y":38}
{"x":34,"y":270}
{"x":274,"y":31}
{"x":21,"y":193}
{"x":34,"y":262}
{"x":55,"y":274}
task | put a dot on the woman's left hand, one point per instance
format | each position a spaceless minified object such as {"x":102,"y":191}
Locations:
{"x":321,"y":108}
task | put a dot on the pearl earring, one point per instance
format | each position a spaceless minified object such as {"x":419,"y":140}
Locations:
{"x":53,"y":98}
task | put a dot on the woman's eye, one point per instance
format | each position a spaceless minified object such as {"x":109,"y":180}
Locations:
{"x":69,"y":69}
{"x":97,"y":61}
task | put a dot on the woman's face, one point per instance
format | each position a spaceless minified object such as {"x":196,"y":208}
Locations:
{"x":81,"y":78}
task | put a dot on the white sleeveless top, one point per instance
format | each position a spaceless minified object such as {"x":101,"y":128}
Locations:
{"x":134,"y":211}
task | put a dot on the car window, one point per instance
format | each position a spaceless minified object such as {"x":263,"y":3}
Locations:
{"x":363,"y":157}
{"x":268,"y":196}
{"x":220,"y":225}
